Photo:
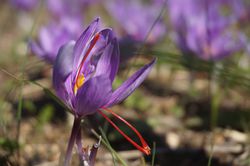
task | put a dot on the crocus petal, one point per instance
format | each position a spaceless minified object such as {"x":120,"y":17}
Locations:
{"x":62,"y":68}
{"x":92,"y":95}
{"x":46,"y":39}
{"x":36,"y":49}
{"x":105,"y":37}
{"x":92,"y":53}
{"x":130,"y":84}
{"x":109,"y":61}
{"x":136,"y":18}
{"x":80,"y":45}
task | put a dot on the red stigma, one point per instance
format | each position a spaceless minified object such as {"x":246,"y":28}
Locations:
{"x":143,"y":148}
{"x":92,"y":44}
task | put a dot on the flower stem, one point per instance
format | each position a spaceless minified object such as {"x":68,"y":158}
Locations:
{"x":74,"y":131}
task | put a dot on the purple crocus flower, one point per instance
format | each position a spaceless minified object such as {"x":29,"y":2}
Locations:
{"x":136,"y":19}
{"x":54,"y":35}
{"x":201,"y":28}
{"x":24,"y":4}
{"x":83,"y":74}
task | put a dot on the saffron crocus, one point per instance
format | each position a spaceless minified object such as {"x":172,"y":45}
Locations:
{"x":136,"y":19}
{"x":203,"y":29}
{"x":82,"y":77}
{"x":54,"y":35}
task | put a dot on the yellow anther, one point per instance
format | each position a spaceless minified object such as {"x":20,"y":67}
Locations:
{"x":79,"y":82}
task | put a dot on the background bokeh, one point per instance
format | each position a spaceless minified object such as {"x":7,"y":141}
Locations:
{"x":193,"y":109}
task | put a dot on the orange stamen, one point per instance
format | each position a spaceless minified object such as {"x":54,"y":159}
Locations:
{"x":144,"y":148}
{"x":79,"y":83}
{"x":95,"y":39}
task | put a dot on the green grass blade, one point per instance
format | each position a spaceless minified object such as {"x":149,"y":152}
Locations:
{"x":121,"y":161}
{"x":106,"y":140}
{"x":153,"y":154}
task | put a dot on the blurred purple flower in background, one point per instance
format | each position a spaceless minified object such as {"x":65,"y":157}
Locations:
{"x":240,"y":8}
{"x":205,"y":27}
{"x":24,"y":4}
{"x":68,"y":7}
{"x":54,"y":35}
{"x":60,"y":8}
{"x":83,"y":75}
{"x":137,"y":18}
{"x":159,"y":2}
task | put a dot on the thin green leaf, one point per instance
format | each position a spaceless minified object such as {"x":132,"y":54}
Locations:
{"x":106,"y":140}
{"x":122,"y":162}
{"x":153,"y":154}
